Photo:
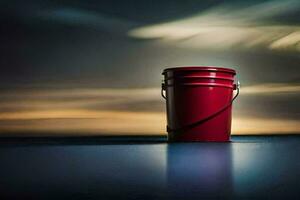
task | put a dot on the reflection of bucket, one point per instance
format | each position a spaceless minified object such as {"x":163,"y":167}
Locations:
{"x":200,"y":172}
{"x":199,"y":103}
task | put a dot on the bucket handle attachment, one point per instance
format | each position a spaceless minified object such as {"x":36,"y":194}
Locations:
{"x":236,"y":87}
{"x":163,"y":88}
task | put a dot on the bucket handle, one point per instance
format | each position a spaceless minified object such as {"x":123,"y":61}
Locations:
{"x":236,"y":87}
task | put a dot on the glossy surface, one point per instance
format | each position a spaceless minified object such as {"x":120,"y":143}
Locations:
{"x":194,"y":93}
{"x":150,"y":168}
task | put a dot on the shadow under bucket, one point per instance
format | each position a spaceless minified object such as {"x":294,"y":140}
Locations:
{"x":199,"y":103}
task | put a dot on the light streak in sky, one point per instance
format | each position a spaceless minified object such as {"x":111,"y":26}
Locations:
{"x":93,"y":111}
{"x":226,"y":27}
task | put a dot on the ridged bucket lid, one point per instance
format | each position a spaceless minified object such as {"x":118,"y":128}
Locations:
{"x":200,"y":68}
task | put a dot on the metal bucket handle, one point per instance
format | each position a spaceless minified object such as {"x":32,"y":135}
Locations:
{"x":236,"y":87}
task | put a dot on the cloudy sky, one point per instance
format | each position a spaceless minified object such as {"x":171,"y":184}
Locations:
{"x":94,"y":67}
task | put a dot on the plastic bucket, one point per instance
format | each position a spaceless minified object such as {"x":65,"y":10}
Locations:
{"x":199,"y":103}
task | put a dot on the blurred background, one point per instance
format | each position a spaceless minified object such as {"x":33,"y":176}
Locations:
{"x":87,"y":67}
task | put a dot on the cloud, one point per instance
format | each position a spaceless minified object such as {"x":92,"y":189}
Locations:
{"x":257,"y":126}
{"x":74,"y":122}
{"x":82,"y":98}
{"x":225,"y":27}
{"x":272,"y":89}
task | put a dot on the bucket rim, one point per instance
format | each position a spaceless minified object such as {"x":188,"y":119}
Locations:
{"x":200,"y":68}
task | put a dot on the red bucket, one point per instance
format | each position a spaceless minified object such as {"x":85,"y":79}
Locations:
{"x":199,"y":103}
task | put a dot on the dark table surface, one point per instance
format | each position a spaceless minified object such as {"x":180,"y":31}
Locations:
{"x":149,"y":168}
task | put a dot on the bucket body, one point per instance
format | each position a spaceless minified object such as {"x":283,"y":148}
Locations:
{"x":193,"y":96}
